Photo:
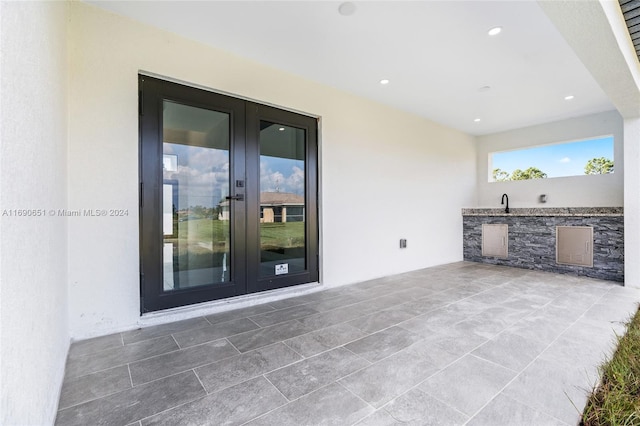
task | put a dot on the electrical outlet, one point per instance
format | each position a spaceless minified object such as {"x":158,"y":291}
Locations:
{"x":403,"y":243}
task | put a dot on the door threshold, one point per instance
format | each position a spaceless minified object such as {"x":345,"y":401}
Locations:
{"x":228,"y":304}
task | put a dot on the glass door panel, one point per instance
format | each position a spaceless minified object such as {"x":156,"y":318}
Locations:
{"x":196,"y":215}
{"x":228,"y":196}
{"x":282,"y":199}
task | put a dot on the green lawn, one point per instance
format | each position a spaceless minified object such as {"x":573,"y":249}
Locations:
{"x":203,"y":242}
{"x":285,"y":235}
{"x":616,"y":401}
{"x":201,"y":232}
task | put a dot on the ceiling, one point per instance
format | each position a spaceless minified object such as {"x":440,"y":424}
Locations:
{"x":438,"y":56}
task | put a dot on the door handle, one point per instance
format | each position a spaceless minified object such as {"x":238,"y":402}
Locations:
{"x":238,"y":197}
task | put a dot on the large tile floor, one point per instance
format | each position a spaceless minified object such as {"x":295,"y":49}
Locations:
{"x":457,"y":344}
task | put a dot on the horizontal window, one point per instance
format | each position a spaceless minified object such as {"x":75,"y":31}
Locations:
{"x":577,"y":158}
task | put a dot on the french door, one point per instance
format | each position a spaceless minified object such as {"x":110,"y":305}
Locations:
{"x":228,"y":196}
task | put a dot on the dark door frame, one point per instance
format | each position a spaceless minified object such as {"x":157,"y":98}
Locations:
{"x":244,"y":150}
{"x":255,"y":114}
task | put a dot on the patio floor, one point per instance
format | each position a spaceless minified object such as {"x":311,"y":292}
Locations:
{"x":463,"y":343}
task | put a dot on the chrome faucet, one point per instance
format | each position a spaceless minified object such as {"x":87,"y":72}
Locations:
{"x":506,"y":210}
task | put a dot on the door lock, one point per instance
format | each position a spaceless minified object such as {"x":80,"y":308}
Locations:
{"x":238,"y":197}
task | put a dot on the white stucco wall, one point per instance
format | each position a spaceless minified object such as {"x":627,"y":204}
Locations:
{"x":385,"y":174}
{"x":576,"y":191}
{"x":34,"y":335}
{"x":606,"y":49}
{"x":632,"y":203}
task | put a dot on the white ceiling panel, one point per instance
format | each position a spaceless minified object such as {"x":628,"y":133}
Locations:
{"x":436,"y":54}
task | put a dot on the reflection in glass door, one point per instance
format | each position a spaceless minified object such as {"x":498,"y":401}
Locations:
{"x":195,"y":159}
{"x":228,"y":196}
{"x":192,"y":229}
{"x":282,"y":199}
{"x":282,"y":220}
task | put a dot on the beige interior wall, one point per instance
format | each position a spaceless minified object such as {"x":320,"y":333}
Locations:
{"x":385,"y":174}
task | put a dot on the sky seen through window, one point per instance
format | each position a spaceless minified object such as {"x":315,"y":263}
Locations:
{"x":557,"y":160}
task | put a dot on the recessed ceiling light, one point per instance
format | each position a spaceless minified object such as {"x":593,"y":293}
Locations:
{"x":568,"y":97}
{"x":281,"y":129}
{"x":347,"y":8}
{"x":495,"y":31}
{"x":384,"y":81}
{"x":477,"y":120}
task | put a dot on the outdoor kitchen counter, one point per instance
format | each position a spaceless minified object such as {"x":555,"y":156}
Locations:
{"x":532,"y":238}
{"x":547,"y":211}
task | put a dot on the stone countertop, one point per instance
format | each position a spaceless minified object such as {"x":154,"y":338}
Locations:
{"x":546,"y":211}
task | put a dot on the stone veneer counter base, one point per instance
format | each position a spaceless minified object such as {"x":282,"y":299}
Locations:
{"x":532,"y":238}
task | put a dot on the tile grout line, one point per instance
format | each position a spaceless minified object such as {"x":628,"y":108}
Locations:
{"x":175,"y":407}
{"x":267,"y":412}
{"x":358,"y":397}
{"x":417,"y":334}
{"x":206,"y":319}
{"x":252,"y":377}
{"x":191,"y":368}
{"x":122,"y":390}
{"x":130,"y":376}
{"x":278,"y":368}
{"x":179,"y":348}
{"x":493,"y":363}
{"x":318,"y":329}
{"x":458,"y":359}
{"x":416,"y":387}
{"x":309,"y":358}
{"x":120,"y":364}
{"x":506,"y":329}
{"x":232,"y":345}
{"x":337,"y":382}
{"x":374,"y":363}
{"x":220,"y":337}
{"x":272,"y":410}
{"x":284,"y":342}
{"x":535,"y":359}
{"x":71,"y":356}
{"x":398,"y":293}
{"x":200,"y":381}
{"x":176,"y":341}
{"x":93,"y":399}
{"x":336,"y":347}
{"x":441,"y":401}
{"x":361,"y":357}
{"x":257,"y":325}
